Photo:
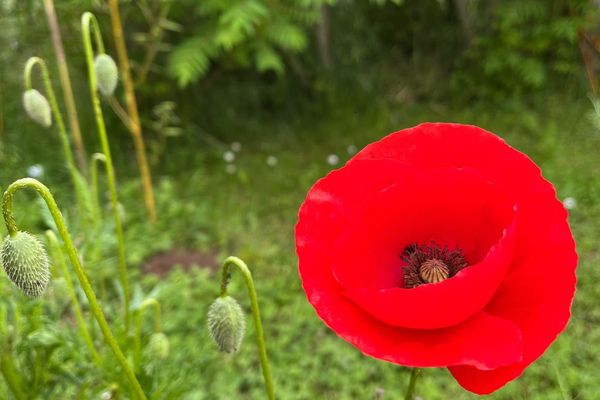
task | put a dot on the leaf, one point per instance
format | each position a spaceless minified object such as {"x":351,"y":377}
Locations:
{"x":267,"y":59}
{"x":287,"y":36}
{"x":190,"y":60}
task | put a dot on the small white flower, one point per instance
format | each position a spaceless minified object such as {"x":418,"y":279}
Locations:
{"x":333,"y":159}
{"x":35,"y":171}
{"x":569,"y":203}
{"x":236,"y":146}
{"x":351,"y":150}
{"x":272,"y":161}
{"x":229,"y":156}
{"x":230,"y":169}
{"x":106,"y":395}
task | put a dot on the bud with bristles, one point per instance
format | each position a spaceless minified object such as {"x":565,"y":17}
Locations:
{"x":107,"y":74}
{"x":37,"y":107}
{"x":158,"y":346}
{"x":226,"y":324}
{"x":26,"y":263}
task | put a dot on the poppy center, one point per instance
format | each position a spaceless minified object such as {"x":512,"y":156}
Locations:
{"x":430,"y":263}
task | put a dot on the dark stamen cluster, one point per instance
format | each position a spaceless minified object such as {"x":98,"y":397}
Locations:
{"x":430,"y":263}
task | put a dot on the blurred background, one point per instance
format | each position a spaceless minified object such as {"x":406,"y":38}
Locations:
{"x":243,"y":105}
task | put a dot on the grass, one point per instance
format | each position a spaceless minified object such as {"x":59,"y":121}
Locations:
{"x":251,"y":213}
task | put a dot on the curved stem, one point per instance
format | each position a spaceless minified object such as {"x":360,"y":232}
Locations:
{"x":79,"y":183}
{"x":60,"y":260}
{"x":260,"y":339}
{"x":89,"y":24}
{"x":410,"y":391}
{"x":138,"y":326}
{"x":31,"y":63}
{"x":45,"y":193}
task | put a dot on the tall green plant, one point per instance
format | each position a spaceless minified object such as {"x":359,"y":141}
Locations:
{"x":36,"y":107}
{"x":99,"y":77}
{"x":25,"y":261}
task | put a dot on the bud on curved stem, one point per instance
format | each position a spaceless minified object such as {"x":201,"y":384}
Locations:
{"x":260,"y":339}
{"x":107,"y":74}
{"x":226,"y":324}
{"x":27,"y":72}
{"x":37,"y":107}
{"x":158,"y":346}
{"x":59,"y":259}
{"x":26,"y":263}
{"x":89,"y":26}
{"x":44,"y":192}
{"x":79,"y":183}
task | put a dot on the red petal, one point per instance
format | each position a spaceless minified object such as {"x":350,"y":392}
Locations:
{"x":325,"y":213}
{"x":448,"y":206}
{"x":538,"y":291}
{"x":434,"y":145}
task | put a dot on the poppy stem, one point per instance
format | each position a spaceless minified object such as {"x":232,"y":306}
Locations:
{"x":415,"y":372}
{"x":61,"y":226}
{"x":59,"y":259}
{"x":260,"y":338}
{"x":92,"y":35}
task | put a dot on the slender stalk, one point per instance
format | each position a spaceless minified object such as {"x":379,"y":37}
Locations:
{"x":79,"y":183}
{"x":90,"y":26}
{"x":9,"y":219}
{"x":410,"y":391}
{"x":260,"y":339}
{"x":60,"y":260}
{"x":132,"y":109}
{"x":96,"y":158}
{"x":11,"y":376}
{"x":31,"y":63}
{"x":65,"y":81}
{"x":138,"y":326}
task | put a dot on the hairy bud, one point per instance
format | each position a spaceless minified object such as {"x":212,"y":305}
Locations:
{"x":226,"y":324}
{"x":26,"y":263}
{"x":37,"y":107}
{"x":158,"y":346}
{"x":107,"y":74}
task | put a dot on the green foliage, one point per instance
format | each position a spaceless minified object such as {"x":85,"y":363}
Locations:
{"x":248,"y":33}
{"x":523,"y":45}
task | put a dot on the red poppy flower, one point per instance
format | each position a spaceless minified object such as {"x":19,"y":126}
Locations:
{"x":440,"y":246}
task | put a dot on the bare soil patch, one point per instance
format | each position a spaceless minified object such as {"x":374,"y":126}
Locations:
{"x":162,"y":263}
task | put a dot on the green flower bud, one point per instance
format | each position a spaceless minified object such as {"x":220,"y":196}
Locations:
{"x":158,"y":346}
{"x":107,"y":74}
{"x":26,"y":263}
{"x":226,"y":324}
{"x":37,"y":107}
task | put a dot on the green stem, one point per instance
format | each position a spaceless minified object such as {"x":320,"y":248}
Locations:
{"x":60,"y":260}
{"x":260,"y":339}
{"x":89,"y":25}
{"x":44,"y":192}
{"x":31,"y":63}
{"x":96,"y":158}
{"x":410,"y":391}
{"x":11,"y":376}
{"x":138,"y":326}
{"x":79,"y":182}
